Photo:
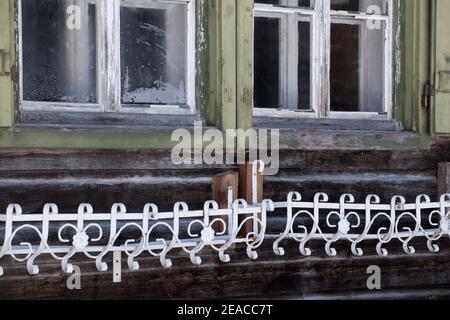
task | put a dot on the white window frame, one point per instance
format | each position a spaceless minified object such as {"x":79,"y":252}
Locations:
{"x":321,"y":17}
{"x":108,"y":63}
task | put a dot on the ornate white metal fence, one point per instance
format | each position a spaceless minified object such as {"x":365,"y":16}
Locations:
{"x":62,"y":235}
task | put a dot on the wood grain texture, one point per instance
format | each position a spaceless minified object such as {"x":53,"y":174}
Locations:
{"x":440,"y":64}
{"x":8,"y":46}
{"x":106,"y":119}
{"x":245,"y":183}
{"x":220,"y":185}
{"x":244,"y":65}
{"x":444,"y":178}
{"x":228,"y":63}
{"x":33,"y":177}
{"x":292,"y":276}
{"x":246,"y":191}
{"x":158,"y":159}
{"x":325,"y":124}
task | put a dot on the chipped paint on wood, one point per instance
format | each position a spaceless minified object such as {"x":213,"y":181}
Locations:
{"x":211,"y":64}
{"x":7,"y":46}
{"x":441,"y":65}
{"x":202,"y":61}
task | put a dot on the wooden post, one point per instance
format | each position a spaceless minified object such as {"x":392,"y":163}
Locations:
{"x":245,"y":188}
{"x":244,"y":17}
{"x":7,"y":46}
{"x":220,"y":185}
{"x":443,"y":178}
{"x":245,"y":183}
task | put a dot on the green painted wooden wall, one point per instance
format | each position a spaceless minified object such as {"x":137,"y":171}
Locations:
{"x":225,"y":74}
{"x":231,"y":63}
{"x":8,"y":48}
{"x":413,"y":70}
{"x":441,"y":66}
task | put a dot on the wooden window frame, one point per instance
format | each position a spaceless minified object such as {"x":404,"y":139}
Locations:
{"x":321,"y":17}
{"x":108,"y":64}
{"x":409,"y":131}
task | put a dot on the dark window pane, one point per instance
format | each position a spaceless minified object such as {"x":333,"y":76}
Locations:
{"x":274,"y":2}
{"x":287,"y":3}
{"x":267,"y":62}
{"x":357,"y":68}
{"x":358,"y":5}
{"x":304,"y":65}
{"x":59,"y":54}
{"x":153,"y":55}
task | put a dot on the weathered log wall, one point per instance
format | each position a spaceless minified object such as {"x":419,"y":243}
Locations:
{"x":34,"y":177}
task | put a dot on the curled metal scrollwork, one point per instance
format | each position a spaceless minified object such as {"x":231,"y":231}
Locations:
{"x":241,"y":226}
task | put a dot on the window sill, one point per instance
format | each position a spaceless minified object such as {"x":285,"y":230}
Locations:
{"x":351,"y":140}
{"x":95,"y":130}
{"x":326,"y":124}
{"x":340,"y":134}
{"x":137,"y":131}
{"x":102,"y":137}
{"x":69,"y":118}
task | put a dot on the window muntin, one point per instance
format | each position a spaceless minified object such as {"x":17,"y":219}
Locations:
{"x":141,"y":54}
{"x":349,"y":73}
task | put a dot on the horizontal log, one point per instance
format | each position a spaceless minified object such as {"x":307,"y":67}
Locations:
{"x":309,"y":161}
{"x":291,"y":276}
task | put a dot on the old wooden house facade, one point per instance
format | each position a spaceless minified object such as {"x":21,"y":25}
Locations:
{"x":91,"y":91}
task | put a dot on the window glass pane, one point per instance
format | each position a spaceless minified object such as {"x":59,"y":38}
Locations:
{"x":304,"y":65}
{"x":267,"y":62}
{"x":274,"y":2}
{"x":288,"y":3}
{"x":369,"y":6}
{"x":59,"y":51}
{"x":283,"y":62}
{"x":357,"y":67}
{"x":153,"y":54}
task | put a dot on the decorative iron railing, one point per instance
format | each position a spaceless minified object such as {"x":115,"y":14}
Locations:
{"x":62,"y":235}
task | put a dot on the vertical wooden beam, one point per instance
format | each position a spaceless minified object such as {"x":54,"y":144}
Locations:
{"x":244,"y":64}
{"x":245,"y":183}
{"x":7,"y":47}
{"x":110,"y":39}
{"x":443,"y":179}
{"x":203,"y":44}
{"x":222,"y":53}
{"x":228,"y":64}
{"x":220,"y":185}
{"x":230,"y":25}
{"x":245,"y":188}
{"x":441,"y":64}
{"x":411,"y":90}
{"x":214,"y":39}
